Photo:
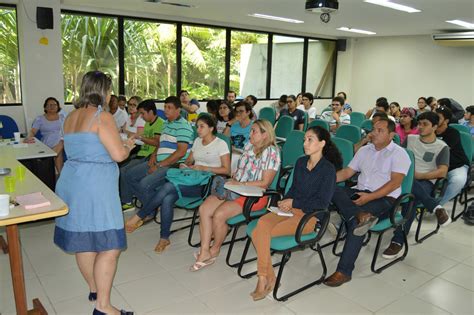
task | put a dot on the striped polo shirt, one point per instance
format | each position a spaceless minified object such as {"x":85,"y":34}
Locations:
{"x":175,"y":131}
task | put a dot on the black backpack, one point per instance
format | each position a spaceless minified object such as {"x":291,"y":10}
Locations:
{"x":468,"y":215}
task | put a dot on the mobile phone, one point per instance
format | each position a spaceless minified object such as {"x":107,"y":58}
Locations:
{"x":355,"y":196}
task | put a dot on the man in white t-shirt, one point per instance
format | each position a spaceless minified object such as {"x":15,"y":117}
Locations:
{"x":337,"y":117}
{"x":307,"y":106}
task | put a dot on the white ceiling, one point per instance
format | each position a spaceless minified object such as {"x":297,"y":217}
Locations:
{"x":351,"y":13}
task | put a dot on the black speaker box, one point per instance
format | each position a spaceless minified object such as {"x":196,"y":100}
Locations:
{"x":341,"y":44}
{"x":44,"y":18}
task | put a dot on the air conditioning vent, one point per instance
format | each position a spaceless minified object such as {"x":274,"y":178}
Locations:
{"x":462,"y":39}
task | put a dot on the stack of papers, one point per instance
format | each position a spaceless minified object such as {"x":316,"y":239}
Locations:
{"x":33,"y":201}
{"x":280,"y":212}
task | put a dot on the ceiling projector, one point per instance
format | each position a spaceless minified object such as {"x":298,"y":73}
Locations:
{"x":321,"y":6}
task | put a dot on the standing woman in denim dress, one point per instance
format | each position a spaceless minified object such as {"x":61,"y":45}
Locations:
{"x":93,"y":229}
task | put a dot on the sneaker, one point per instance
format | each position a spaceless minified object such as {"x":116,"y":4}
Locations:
{"x":332,"y":229}
{"x":395,"y":250}
{"x":127,"y":206}
{"x":443,"y":218}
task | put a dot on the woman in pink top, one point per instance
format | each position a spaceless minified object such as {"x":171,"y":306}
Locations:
{"x":407,"y":124}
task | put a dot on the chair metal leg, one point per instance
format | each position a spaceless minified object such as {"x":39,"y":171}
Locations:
{"x":286,"y":257}
{"x":376,"y":254}
{"x":459,"y":197}
{"x":244,"y":261}
{"x":231,"y":248}
{"x":419,"y":239}
{"x":194,"y":222}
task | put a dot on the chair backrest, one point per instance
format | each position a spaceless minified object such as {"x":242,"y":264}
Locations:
{"x":306,"y":121}
{"x":284,"y":126}
{"x":274,"y":184}
{"x":319,"y":122}
{"x":357,"y":118}
{"x":466,"y":142}
{"x":460,"y":128}
{"x":195,"y":132}
{"x":267,"y":113}
{"x":396,"y":139}
{"x":407,"y":182}
{"x":366,"y":125}
{"x":346,"y":148}
{"x":289,"y":181}
{"x":226,"y":139}
{"x":327,"y":109}
{"x":293,"y":148}
{"x":349,"y":132}
{"x":7,"y":126}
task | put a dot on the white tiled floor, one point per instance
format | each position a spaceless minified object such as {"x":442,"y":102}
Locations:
{"x":437,"y":277}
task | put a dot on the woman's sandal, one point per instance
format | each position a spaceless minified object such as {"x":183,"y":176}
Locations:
{"x":257,"y":296}
{"x":162,"y":246}
{"x":130,"y":228}
{"x":198,"y":265}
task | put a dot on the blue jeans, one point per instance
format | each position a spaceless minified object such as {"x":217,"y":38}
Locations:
{"x":126,"y":192}
{"x":348,"y":209}
{"x":141,"y":184}
{"x":422,"y":189}
{"x":165,"y":198}
{"x":456,"y":180}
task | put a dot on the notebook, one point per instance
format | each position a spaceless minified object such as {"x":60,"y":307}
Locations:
{"x":33,"y":201}
{"x":279,"y":212}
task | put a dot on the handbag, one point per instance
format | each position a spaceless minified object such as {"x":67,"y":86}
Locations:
{"x":218,"y":190}
{"x":187,"y":177}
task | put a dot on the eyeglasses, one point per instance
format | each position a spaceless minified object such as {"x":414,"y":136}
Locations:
{"x":240,"y":111}
{"x":51,"y":105}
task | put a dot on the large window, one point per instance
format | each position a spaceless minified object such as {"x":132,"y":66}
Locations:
{"x":9,"y":70}
{"x":248,"y":63}
{"x":321,"y":65}
{"x":203,"y":61}
{"x":287,"y":65}
{"x":150,"y":59}
{"x":89,"y":43}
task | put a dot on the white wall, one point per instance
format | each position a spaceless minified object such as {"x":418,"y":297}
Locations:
{"x":403,"y":69}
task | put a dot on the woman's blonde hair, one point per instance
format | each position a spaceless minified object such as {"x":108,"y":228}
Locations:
{"x":95,"y":87}
{"x":265,"y":127}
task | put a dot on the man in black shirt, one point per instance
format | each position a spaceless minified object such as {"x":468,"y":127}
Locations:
{"x":458,"y":161}
{"x":293,"y":112}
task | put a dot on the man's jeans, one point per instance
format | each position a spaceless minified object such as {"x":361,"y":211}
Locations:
{"x":422,"y":190}
{"x":456,"y":180}
{"x":341,"y":199}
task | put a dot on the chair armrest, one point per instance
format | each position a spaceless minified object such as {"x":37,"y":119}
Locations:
{"x":320,"y":227}
{"x":439,"y":187}
{"x":398,"y":204}
{"x":250,"y":201}
{"x":284,"y":172}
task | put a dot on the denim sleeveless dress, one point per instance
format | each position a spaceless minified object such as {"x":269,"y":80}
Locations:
{"x":88,"y":184}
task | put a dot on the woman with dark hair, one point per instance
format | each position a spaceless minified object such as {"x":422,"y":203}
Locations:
{"x":239,"y":131}
{"x":93,"y":229}
{"x":224,"y":116}
{"x":395,"y":111}
{"x":49,"y":125}
{"x":408,"y":124}
{"x":209,"y":153}
{"x":432,"y":103}
{"x":423,"y":106}
{"x":212,"y":107}
{"x":314,"y":181}
{"x":293,"y":112}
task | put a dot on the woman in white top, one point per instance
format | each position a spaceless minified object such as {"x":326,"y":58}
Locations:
{"x":135,"y":123}
{"x":209,"y":153}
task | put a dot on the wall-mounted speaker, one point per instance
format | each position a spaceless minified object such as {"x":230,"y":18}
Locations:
{"x":341,"y":44}
{"x":44,"y":18}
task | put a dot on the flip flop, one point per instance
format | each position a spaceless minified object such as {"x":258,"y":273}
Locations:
{"x":198,"y":265}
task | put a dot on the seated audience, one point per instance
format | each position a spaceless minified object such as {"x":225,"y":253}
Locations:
{"x":408,"y":124}
{"x":252,"y":100}
{"x":382,"y":166}
{"x":231,"y":97}
{"x":239,"y":131}
{"x":151,"y":140}
{"x":337,"y":116}
{"x":143,"y":179}
{"x":423,"y":106}
{"x":432,"y":103}
{"x":469,"y":119}
{"x":458,"y":161}
{"x":279,"y":105}
{"x":190,"y":106}
{"x":455,"y":107}
{"x":293,"y":112}
{"x":122,"y":102}
{"x":209,"y":153}
{"x":307,"y":106}
{"x":120,"y":116}
{"x":431,"y":163}
{"x":395,"y":111}
{"x":314,"y":181}
{"x":347,"y":107}
{"x":257,"y":166}
{"x":50,"y":125}
{"x":225,"y":116}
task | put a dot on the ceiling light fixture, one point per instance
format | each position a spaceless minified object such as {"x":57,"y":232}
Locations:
{"x":391,"y":5}
{"x":276,"y":18}
{"x":355,"y":30}
{"x":462,"y":23}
